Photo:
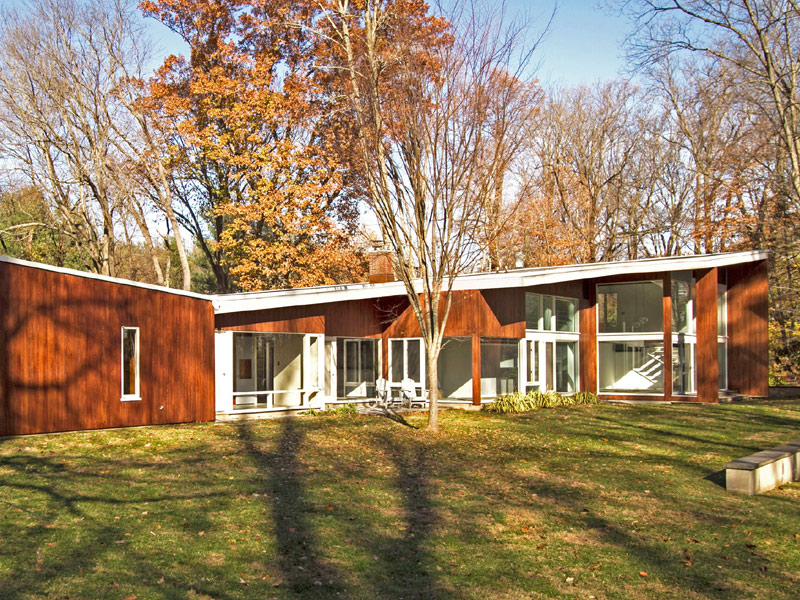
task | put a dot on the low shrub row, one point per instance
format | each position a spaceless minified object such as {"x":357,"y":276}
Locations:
{"x":517,"y":402}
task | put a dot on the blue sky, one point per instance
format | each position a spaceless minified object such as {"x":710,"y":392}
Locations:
{"x":581,"y":47}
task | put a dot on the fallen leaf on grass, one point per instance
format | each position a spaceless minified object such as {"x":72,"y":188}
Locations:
{"x":642,"y":573}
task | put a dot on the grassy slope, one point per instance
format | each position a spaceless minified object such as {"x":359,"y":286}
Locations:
{"x":600,"y":501}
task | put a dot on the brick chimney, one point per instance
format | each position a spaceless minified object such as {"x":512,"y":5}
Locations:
{"x":381,"y":269}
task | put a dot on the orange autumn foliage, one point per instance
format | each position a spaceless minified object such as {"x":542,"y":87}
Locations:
{"x":254,"y":143}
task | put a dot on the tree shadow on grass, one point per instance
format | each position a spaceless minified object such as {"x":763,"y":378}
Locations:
{"x":407,"y":559}
{"x":299,"y":558}
{"x":401,"y":563}
{"x":44,"y":496}
{"x":391,"y":414}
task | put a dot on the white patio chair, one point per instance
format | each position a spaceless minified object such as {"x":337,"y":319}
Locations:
{"x":382,"y":391}
{"x":408,"y":393}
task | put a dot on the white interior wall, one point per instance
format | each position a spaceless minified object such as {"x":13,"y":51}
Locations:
{"x":455,"y":369}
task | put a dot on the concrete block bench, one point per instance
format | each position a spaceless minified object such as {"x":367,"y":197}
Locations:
{"x":765,"y":470}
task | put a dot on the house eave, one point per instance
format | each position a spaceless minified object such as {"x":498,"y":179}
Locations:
{"x":518,"y":278}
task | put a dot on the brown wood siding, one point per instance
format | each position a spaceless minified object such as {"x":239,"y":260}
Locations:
{"x":352,"y":318}
{"x":476,"y":370}
{"x":292,"y":319}
{"x":667,"y":311}
{"x":487,"y":313}
{"x":707,"y":371}
{"x":748,"y":340}
{"x":588,"y":341}
{"x":60,"y":356}
{"x":362,"y":318}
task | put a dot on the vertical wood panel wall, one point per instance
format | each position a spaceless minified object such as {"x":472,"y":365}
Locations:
{"x":666,"y":280}
{"x":748,"y":343}
{"x":707,"y":353}
{"x":60,"y":353}
{"x":588,"y":342}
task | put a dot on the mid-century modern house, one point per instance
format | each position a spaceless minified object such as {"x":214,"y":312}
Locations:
{"x":82,"y":351}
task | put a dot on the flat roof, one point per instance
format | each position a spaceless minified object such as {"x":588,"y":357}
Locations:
{"x":249,"y":301}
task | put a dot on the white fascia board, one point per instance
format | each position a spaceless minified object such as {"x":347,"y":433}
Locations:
{"x":85,"y":275}
{"x":251,"y":301}
{"x":546,"y":275}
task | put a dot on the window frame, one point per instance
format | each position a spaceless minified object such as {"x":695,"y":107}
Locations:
{"x":422,"y":362}
{"x":627,"y":337}
{"x":548,"y":303}
{"x":136,"y":396}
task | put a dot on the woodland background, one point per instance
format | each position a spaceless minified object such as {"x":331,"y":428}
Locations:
{"x":236,"y":167}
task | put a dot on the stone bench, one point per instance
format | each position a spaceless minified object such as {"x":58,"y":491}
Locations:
{"x":765,"y":470}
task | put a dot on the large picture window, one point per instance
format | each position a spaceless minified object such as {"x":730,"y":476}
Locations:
{"x":276,"y":370}
{"x":130,"y":363}
{"x":631,"y":366}
{"x":630,"y":307}
{"x":630,"y":334}
{"x":499,"y":366}
{"x":455,"y":369}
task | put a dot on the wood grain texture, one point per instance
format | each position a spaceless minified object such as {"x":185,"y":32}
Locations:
{"x":748,"y":339}
{"x":476,"y":370}
{"x":60,"y":358}
{"x":488,"y":313}
{"x":292,"y":319}
{"x":707,"y":371}
{"x":587,"y":320}
{"x":352,"y":318}
{"x":667,"y":312}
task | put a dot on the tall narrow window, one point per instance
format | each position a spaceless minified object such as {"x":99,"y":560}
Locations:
{"x":130,"y":363}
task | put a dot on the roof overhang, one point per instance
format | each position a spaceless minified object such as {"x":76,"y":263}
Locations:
{"x":519,"y":278}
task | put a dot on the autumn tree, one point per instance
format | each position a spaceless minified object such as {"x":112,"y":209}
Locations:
{"x":257,"y":168}
{"x":427,"y":95}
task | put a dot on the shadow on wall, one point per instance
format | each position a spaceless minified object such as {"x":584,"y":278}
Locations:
{"x":51,"y":353}
{"x":60,"y":345}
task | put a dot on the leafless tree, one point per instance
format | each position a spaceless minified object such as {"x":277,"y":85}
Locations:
{"x":586,"y":149}
{"x":429,"y":101}
{"x":70,"y":124}
{"x":758,"y":38}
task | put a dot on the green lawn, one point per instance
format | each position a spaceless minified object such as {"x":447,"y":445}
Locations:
{"x":589,"y":502}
